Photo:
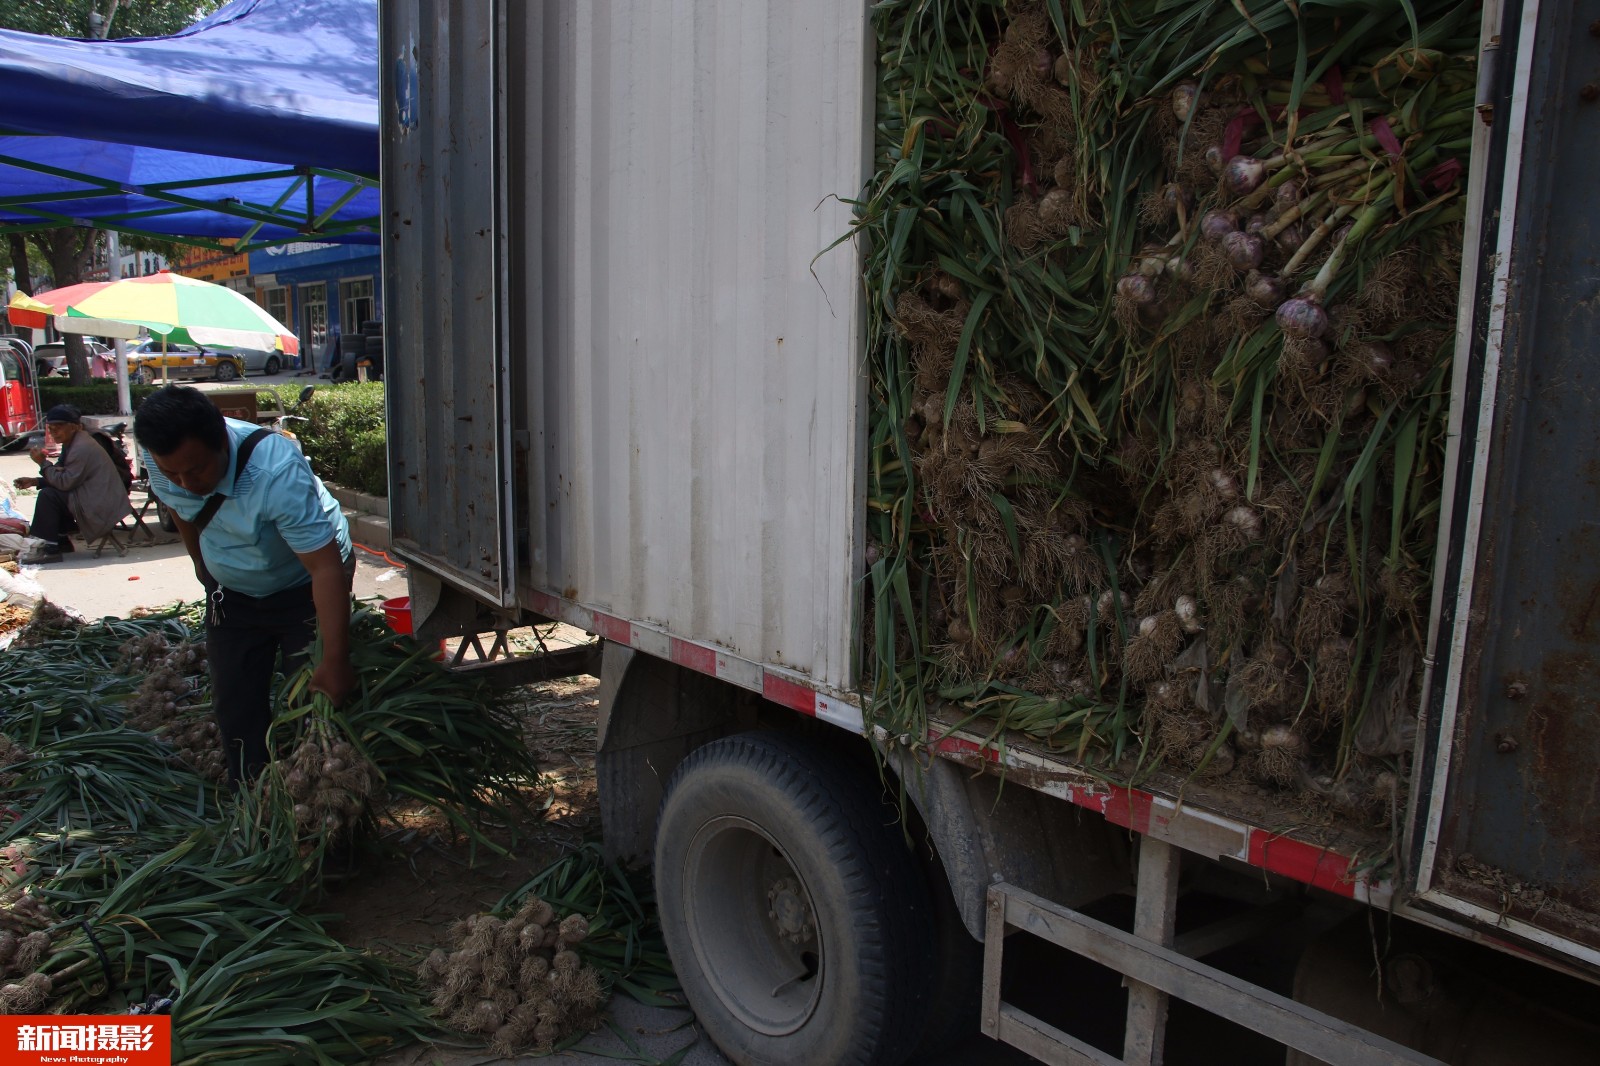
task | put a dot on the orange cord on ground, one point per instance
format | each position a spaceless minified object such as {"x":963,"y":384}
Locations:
{"x":380,"y":554}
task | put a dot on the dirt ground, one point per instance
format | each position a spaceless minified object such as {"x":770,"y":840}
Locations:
{"x":404,"y":897}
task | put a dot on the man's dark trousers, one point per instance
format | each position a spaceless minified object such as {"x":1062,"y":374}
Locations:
{"x":52,"y":519}
{"x":245,"y":635}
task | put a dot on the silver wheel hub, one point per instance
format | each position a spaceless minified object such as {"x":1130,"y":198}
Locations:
{"x":753,"y":927}
{"x":790,"y":911}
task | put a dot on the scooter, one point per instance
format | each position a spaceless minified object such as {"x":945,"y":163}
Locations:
{"x":285,"y":418}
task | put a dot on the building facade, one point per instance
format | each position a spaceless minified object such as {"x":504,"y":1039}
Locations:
{"x":218,"y":267}
{"x":133,"y":264}
{"x":320,"y":290}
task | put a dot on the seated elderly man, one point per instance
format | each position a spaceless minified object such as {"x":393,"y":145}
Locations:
{"x":80,"y":492}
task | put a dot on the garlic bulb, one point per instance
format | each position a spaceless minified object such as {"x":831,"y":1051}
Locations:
{"x":1246,"y":521}
{"x":1188,"y":612}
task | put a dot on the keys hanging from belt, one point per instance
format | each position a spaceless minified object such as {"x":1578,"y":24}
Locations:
{"x":214,"y":603}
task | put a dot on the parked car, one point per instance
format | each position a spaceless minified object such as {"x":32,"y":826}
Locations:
{"x":258,"y":360}
{"x":50,"y":359}
{"x":148,"y":363}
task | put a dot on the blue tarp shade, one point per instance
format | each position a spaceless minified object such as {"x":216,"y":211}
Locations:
{"x":179,"y":193}
{"x":282,"y":92}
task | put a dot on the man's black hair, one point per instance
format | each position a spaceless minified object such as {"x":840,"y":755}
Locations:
{"x":177,"y":413}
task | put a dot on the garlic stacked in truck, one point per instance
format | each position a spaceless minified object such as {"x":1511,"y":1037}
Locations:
{"x":1159,"y":396}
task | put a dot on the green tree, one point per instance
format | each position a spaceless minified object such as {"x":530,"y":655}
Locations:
{"x":171,"y":251}
{"x":77,"y":18}
{"x":27,"y":262}
{"x":67,"y":251}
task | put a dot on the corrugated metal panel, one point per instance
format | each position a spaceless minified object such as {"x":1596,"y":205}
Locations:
{"x":695,"y":434}
{"x":442,"y":258}
{"x":1509,"y":837}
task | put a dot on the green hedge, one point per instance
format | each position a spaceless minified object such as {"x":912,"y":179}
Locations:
{"x":99,"y":398}
{"x":345,"y":439}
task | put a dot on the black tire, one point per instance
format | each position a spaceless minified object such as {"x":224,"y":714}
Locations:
{"x":954,"y":1011}
{"x":142,"y":376}
{"x":164,"y":517}
{"x":274,"y":364}
{"x":796,"y":917}
{"x":226,"y":370}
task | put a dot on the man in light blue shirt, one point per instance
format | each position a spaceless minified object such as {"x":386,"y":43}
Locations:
{"x":272,"y":549}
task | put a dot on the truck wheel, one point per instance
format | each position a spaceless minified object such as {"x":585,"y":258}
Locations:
{"x":796,"y":918}
{"x":956,"y":992}
{"x":164,"y":518}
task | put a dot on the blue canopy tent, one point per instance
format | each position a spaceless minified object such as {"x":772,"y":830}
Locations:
{"x":258,"y":123}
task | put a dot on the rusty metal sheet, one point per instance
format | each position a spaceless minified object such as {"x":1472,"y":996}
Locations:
{"x":443,"y":263}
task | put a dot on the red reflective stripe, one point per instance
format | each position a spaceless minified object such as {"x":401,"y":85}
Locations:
{"x":1309,"y":863}
{"x":962,"y":746}
{"x":615,"y":629}
{"x":694,"y":656}
{"x":793,"y":696}
{"x":544,"y":603}
{"x":1130,"y":808}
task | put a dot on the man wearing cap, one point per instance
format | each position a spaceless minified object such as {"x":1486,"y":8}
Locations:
{"x":80,"y":492}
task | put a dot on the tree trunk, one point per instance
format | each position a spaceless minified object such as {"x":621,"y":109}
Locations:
{"x":19,"y":262}
{"x":68,"y":253}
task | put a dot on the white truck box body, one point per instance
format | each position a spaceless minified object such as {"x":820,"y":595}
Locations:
{"x":690,"y":362}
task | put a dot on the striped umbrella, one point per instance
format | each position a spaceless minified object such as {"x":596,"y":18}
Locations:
{"x":181,"y":310}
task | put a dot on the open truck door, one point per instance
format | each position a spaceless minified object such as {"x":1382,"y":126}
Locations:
{"x":1503,"y":815}
{"x":450,"y":487}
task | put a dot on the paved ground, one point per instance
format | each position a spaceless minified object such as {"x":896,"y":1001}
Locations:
{"x":155,"y":571}
{"x":632,"y":1033}
{"x":283,"y":380}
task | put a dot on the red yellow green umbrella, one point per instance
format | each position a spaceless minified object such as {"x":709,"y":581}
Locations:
{"x":181,"y":310}
{"x":35,"y":312}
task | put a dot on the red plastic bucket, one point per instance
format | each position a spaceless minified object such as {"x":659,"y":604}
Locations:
{"x":398,"y":613}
